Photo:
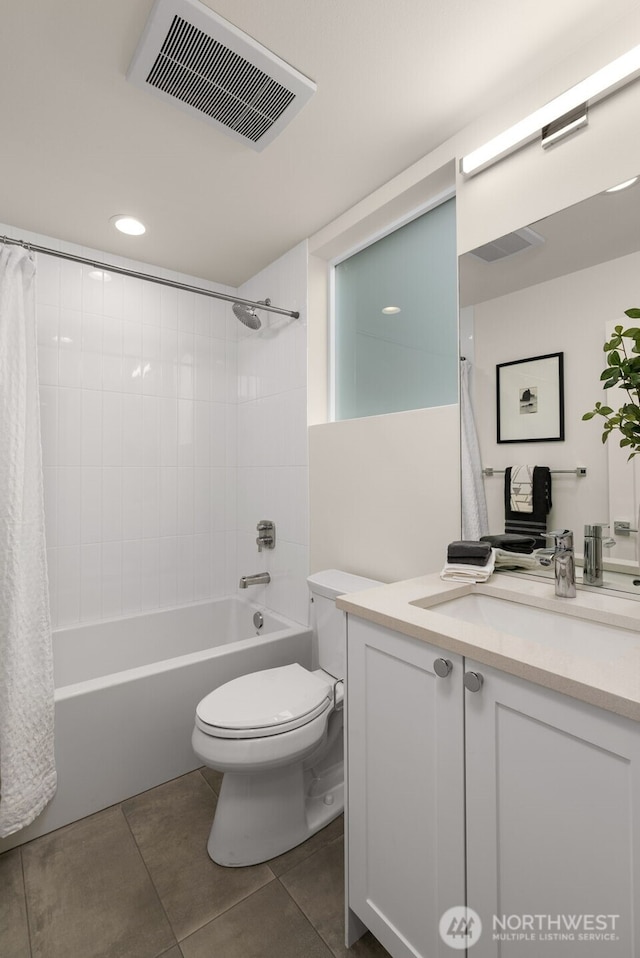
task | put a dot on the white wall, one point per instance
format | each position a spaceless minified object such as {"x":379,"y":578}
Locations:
{"x":522,"y":188}
{"x":385,"y":493}
{"x":138,"y":428}
{"x":569,"y":314}
{"x":385,"y":490}
{"x":272,"y":458}
{"x":168,"y":431}
{"x":623,"y":475}
{"x":109,"y":558}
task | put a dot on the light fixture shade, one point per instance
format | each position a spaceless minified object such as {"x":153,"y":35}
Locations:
{"x":594,"y":87}
{"x":128,"y":224}
{"x":623,"y":186}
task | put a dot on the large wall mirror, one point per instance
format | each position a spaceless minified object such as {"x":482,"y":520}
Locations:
{"x":559,"y":285}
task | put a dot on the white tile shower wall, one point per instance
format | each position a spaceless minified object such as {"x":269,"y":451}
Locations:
{"x":138,"y":399}
{"x":272,"y":458}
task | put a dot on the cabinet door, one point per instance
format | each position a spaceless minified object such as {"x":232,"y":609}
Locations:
{"x":405,"y":822}
{"x":553,"y":823}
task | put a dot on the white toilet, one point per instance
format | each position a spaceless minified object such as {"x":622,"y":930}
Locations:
{"x":277,"y":736}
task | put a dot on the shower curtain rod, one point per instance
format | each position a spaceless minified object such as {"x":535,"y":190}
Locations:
{"x":148,"y":276}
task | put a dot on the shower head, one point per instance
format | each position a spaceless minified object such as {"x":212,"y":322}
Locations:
{"x":247,"y":314}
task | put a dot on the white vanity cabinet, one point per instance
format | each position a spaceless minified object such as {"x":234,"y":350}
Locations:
{"x":529,"y":797}
{"x":405,"y":788}
{"x":553,"y":821}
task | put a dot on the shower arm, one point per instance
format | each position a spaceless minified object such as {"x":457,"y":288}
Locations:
{"x":150,"y":277}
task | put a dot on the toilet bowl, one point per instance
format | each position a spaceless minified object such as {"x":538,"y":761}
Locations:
{"x":277,"y":735}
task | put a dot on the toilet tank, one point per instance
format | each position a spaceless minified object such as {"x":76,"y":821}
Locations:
{"x":329,"y":623}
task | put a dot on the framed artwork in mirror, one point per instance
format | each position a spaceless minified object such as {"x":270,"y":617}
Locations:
{"x":530,"y":399}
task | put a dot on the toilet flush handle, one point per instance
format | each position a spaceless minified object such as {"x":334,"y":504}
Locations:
{"x":338,"y":694}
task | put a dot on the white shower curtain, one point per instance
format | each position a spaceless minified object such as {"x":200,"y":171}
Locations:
{"x":475,"y":522}
{"x":27,"y":769}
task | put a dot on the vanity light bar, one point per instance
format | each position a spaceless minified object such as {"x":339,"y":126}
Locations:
{"x":593,"y":88}
{"x":566,"y":125}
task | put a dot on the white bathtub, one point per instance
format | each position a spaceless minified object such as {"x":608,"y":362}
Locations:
{"x":126,"y":693}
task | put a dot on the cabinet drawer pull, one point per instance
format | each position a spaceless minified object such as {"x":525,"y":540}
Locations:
{"x":473,"y":681}
{"x":442,"y":667}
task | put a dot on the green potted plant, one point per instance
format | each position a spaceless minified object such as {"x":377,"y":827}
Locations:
{"x":623,"y":370}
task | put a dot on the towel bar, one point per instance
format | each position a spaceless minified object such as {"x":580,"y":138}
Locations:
{"x":579,"y":471}
{"x":622,"y":528}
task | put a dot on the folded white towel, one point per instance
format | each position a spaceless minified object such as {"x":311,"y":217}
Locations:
{"x":521,"y":491}
{"x":517,"y":560}
{"x":461,"y":572}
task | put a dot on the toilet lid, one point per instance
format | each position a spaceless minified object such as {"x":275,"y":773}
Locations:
{"x":264,"y":703}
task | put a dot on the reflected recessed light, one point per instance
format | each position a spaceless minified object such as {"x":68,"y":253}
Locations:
{"x":100,"y":274}
{"x":391,"y":310}
{"x":622,"y":186}
{"x":128,"y":224}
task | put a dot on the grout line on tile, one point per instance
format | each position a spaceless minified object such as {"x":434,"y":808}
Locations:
{"x":26,"y":900}
{"x":169,"y":950}
{"x":230,"y":908}
{"x":153,"y":885}
{"x":246,"y":898}
{"x":217,"y":794}
{"x":306,"y":917}
{"x":313,"y":852}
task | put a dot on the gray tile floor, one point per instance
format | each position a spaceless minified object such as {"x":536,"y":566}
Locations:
{"x":135,"y":881}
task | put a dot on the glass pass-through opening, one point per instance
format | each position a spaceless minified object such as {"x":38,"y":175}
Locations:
{"x":396,"y":338}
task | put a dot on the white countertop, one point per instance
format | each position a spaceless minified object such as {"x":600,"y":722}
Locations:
{"x":607,"y":678}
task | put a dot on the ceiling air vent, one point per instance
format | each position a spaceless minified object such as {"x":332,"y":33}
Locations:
{"x":191,"y":57}
{"x":509,"y":244}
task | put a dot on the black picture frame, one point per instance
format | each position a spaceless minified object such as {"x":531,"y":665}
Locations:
{"x":530,"y":399}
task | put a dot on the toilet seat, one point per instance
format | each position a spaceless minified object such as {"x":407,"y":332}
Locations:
{"x":265,"y":703}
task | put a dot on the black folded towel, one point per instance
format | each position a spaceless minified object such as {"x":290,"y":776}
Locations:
{"x":530,"y":523}
{"x":511,"y":543}
{"x":469,"y":552}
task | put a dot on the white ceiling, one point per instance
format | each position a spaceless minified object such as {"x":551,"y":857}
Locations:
{"x":601,"y":228}
{"x":395,"y":79}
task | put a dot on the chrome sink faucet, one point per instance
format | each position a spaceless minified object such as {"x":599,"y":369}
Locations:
{"x":564,"y":562}
{"x":592,"y":570}
{"x":592,"y":573}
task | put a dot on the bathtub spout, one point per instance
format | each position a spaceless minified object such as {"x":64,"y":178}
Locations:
{"x":260,"y":578}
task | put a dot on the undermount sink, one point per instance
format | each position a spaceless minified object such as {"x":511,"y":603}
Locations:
{"x":544,"y":626}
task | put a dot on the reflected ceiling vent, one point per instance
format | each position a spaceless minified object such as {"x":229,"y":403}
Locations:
{"x":507,"y":245}
{"x":191,"y":57}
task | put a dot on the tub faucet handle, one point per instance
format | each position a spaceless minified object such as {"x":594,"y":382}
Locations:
{"x":266,"y":535}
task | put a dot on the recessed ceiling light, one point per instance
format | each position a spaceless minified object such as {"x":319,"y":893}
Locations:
{"x":391,"y":310}
{"x":622,"y":186}
{"x":128,"y":224}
